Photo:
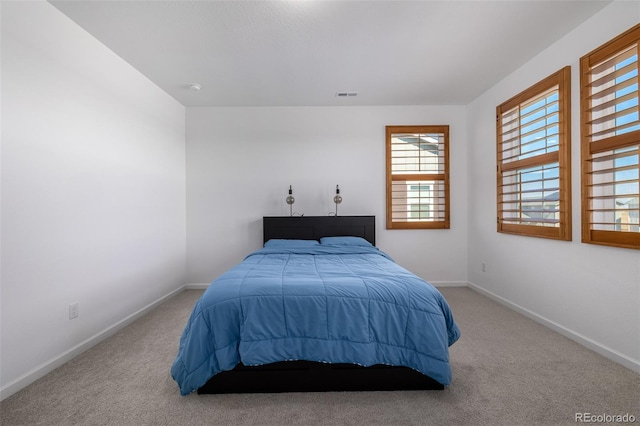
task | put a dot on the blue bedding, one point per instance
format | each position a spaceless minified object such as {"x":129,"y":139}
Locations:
{"x":336,"y":304}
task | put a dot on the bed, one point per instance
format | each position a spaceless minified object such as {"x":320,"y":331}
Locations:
{"x":318,"y":308}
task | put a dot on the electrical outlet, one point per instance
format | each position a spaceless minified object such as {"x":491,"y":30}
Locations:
{"x":74,"y":310}
{"x":484,"y":267}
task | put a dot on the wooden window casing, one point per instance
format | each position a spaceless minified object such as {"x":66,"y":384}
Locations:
{"x":610,"y":142}
{"x":534,"y":160}
{"x":417,"y":177}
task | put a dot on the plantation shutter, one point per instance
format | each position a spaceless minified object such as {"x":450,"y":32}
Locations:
{"x":611,"y":142}
{"x":532,"y":156}
{"x":417,"y":177}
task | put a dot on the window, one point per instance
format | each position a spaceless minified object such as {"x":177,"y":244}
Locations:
{"x":534,"y":168}
{"x":610,"y":142}
{"x":417,"y":177}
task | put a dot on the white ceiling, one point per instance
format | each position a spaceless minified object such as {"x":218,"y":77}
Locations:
{"x":302,"y":52}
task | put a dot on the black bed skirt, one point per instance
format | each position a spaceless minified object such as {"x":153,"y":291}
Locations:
{"x":307,"y":376}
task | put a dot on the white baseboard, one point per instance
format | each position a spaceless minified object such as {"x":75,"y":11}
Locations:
{"x":605,"y":351}
{"x":48,"y":366}
{"x":448,"y":283}
{"x":204,"y":286}
{"x":196,"y":286}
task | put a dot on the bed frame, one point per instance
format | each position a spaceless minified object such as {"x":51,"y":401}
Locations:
{"x":307,"y":376}
{"x":316,"y":227}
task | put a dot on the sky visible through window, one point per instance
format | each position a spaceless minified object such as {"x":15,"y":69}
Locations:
{"x":539,"y":186}
{"x":626,"y":177}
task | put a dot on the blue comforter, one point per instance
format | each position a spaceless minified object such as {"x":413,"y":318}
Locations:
{"x":323,"y":303}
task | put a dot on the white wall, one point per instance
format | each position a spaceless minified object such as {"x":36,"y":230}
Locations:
{"x":241,"y":161}
{"x":93,"y":191}
{"x":590,"y":293}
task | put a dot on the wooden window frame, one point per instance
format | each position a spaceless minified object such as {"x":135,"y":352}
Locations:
{"x":445,"y":223}
{"x":589,"y":148}
{"x":562,"y":80}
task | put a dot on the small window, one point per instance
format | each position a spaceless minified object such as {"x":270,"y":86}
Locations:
{"x":533,"y":144}
{"x":417,"y":177}
{"x":610,"y":142}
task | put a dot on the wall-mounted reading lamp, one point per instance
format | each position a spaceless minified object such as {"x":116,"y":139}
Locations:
{"x":290,"y":200}
{"x":337,"y":198}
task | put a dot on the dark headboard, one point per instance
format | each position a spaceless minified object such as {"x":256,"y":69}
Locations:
{"x":316,"y":227}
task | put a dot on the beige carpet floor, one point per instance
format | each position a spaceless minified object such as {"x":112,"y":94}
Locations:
{"x":507,"y":370}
